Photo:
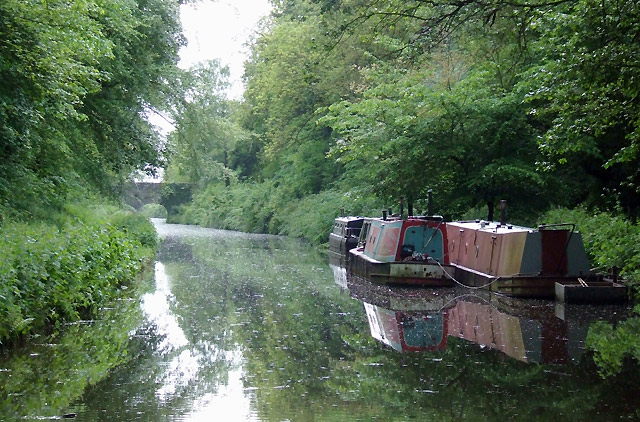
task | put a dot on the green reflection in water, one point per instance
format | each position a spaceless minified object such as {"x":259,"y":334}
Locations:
{"x":244,"y":327}
{"x":40,"y":379}
{"x":308,"y":354}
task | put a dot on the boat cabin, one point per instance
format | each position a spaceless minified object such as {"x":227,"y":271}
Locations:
{"x":414,"y":238}
{"x":505,"y":250}
{"x":345,"y":234}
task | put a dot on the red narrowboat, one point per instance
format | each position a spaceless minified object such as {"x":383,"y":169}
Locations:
{"x":403,"y":251}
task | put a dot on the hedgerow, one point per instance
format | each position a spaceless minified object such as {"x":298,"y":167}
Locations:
{"x":51,"y":274}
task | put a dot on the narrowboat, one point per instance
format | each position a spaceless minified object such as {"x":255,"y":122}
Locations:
{"x":394,"y":250}
{"x":343,"y":237}
{"x":514,"y":260}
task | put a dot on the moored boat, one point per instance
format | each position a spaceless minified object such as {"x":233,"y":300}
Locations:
{"x":513,"y":260}
{"x":403,"y":251}
{"x":343,"y":237}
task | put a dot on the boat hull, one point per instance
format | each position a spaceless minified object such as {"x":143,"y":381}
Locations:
{"x":515,"y":261}
{"x":516,"y":286}
{"x":422,"y":273}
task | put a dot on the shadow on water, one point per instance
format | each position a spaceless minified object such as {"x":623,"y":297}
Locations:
{"x":245,"y":327}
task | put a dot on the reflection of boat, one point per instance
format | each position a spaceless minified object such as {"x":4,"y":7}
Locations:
{"x":404,"y":251}
{"x":526,"y":330}
{"x":339,"y":274}
{"x":407,"y":331}
{"x":344,"y":236}
{"x":517,"y":261}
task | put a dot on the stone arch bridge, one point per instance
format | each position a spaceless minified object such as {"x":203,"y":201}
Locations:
{"x":169,"y":195}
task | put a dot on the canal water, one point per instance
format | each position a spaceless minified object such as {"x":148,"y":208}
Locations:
{"x":239,"y":327}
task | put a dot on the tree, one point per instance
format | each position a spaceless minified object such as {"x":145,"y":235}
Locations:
{"x":451,"y":121}
{"x":206,"y":136}
{"x":587,"y":93}
{"x":75,"y":81}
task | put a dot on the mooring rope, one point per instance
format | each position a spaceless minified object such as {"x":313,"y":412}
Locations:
{"x":464,"y":285}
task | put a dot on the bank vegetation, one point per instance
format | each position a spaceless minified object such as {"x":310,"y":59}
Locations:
{"x":77,"y":83}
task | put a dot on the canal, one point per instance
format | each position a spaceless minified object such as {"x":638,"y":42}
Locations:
{"x":238,"y":327}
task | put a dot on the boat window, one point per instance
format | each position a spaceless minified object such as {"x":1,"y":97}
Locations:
{"x":364,"y":233}
{"x":407,"y":250}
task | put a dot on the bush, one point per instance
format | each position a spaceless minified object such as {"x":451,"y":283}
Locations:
{"x":312,"y":217}
{"x":137,"y":227}
{"x":51,"y":274}
{"x":264,"y":208}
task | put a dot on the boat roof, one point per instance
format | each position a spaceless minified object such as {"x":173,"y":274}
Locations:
{"x":490,"y":226}
{"x":348,"y":218}
{"x":412,"y":217}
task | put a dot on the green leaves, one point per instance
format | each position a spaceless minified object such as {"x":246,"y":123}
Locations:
{"x":75,"y":81}
{"x":206,"y":135}
{"x":587,"y":87}
{"x":612,"y":345}
{"x":50,"y":275}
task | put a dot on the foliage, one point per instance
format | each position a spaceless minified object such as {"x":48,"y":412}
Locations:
{"x":409,"y":134}
{"x":290,"y":74}
{"x":153,"y":211}
{"x":265,"y":208}
{"x":612,"y":345}
{"x":53,"y":274}
{"x":42,"y":378}
{"x":312,"y":217}
{"x":75,"y":83}
{"x":205,"y":135}
{"x":586,"y":93}
{"x":478,"y":101}
{"x":137,"y":227}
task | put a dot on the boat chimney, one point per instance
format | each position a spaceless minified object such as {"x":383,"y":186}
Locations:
{"x":384,"y":215}
{"x":341,"y":212}
{"x":401,"y":207}
{"x":429,"y":202}
{"x":503,"y":212}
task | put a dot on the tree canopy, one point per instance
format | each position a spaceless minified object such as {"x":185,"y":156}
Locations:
{"x":534,"y":102}
{"x":76,"y":79}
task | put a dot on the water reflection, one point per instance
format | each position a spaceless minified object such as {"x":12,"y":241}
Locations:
{"x":410,"y":320}
{"x":254,"y":328}
{"x":239,"y":327}
{"x":183,"y":372}
{"x":157,"y":307}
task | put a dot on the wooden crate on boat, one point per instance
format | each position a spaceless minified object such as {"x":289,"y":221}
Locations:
{"x":581,"y":291}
